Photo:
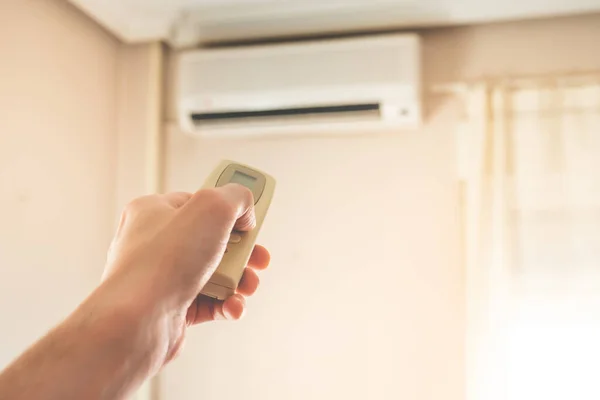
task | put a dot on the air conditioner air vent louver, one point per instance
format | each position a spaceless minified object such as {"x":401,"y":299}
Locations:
{"x":337,"y":111}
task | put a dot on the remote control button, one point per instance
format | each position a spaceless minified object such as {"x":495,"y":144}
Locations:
{"x":235,"y":238}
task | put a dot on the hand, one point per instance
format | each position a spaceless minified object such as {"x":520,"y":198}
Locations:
{"x":165,"y":250}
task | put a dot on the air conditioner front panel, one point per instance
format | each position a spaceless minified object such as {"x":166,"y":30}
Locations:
{"x":331,"y":63}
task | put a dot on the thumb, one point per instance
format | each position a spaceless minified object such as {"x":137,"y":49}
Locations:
{"x":242,"y":200}
{"x":222,"y":209}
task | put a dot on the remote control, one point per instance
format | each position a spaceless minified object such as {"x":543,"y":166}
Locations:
{"x":226,"y":278}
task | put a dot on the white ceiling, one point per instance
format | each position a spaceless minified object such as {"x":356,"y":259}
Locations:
{"x":188,"y":22}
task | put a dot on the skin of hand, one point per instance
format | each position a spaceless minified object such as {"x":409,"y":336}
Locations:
{"x":165,"y":250}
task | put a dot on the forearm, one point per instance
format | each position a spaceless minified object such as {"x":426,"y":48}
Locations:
{"x":91,"y":355}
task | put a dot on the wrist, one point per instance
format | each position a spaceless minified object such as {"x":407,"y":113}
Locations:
{"x":113,"y":344}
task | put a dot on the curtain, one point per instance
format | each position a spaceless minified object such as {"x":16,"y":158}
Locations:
{"x":529,"y":165}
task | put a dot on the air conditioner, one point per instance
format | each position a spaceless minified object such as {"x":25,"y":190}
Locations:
{"x":335,"y":86}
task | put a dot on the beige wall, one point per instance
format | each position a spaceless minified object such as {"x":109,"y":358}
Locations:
{"x":376,"y":311}
{"x":140,"y":113}
{"x":76,"y":110}
{"x":58,"y":137}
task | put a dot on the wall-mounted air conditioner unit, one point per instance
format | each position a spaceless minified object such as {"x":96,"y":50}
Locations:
{"x":350,"y":85}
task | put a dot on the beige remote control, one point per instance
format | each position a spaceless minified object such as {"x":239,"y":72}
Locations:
{"x":225,"y":280}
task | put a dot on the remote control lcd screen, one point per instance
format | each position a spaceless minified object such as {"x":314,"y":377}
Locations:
{"x":243,"y":179}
